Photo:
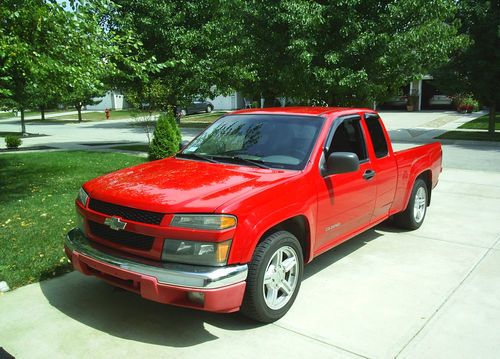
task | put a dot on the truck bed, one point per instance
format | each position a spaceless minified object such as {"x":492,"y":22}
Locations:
{"x":411,"y":162}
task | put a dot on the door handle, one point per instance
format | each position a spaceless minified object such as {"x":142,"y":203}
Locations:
{"x":369,"y":174}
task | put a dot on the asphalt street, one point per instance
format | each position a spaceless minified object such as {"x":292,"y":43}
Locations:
{"x":429,"y":293}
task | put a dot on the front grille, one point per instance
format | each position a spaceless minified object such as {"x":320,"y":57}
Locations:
{"x":124,"y":238}
{"x":132,"y":214}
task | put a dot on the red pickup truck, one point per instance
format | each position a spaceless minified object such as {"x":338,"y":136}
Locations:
{"x":228,"y":223}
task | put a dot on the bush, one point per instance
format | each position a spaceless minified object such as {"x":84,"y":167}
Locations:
{"x":166,"y":137}
{"x":13,"y":141}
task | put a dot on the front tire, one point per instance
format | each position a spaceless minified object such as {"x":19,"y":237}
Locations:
{"x":209,"y":109}
{"x":274,"y":277}
{"x":413,"y":216}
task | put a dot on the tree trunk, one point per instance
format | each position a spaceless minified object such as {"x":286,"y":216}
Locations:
{"x":491,"y":122}
{"x":23,"y":125}
{"x":79,"y":109}
{"x":42,"y":112}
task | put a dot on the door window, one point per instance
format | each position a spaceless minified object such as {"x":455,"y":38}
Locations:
{"x":348,"y":137}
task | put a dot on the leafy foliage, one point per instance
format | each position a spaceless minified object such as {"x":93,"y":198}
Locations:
{"x":475,"y":68}
{"x":166,"y":137}
{"x":199,"y":45}
{"x":49,"y":54}
{"x":348,"y":52}
{"x":12,"y":141}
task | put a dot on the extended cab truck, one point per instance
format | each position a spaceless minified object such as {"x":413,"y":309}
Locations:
{"x":229,"y":222}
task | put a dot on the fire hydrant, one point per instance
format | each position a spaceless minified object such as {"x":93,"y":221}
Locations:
{"x":107,"y":112}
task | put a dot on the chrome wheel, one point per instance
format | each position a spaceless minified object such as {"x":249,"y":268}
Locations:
{"x":280,"y":278}
{"x":420,"y":205}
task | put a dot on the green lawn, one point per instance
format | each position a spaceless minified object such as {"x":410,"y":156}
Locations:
{"x":37,"y":208}
{"x":481,"y":123}
{"x":202,"y":117}
{"x":98,"y":116}
{"x":138,"y":148}
{"x":470,"y":136}
{"x":200,"y":120}
{"x":9,"y":115}
{"x":5,"y":134}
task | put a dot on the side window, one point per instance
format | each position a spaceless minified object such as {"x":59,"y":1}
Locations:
{"x":348,"y":137}
{"x":377,"y":136}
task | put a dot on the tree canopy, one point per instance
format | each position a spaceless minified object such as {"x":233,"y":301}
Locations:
{"x":475,"y":67}
{"x":51,"y":54}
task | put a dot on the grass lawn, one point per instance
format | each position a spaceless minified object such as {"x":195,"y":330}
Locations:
{"x":481,"y":123}
{"x":200,"y":120}
{"x":97,"y":116}
{"x":37,"y":208}
{"x":138,"y":148}
{"x":10,"y":115}
{"x":470,"y":135}
{"x":5,"y":134}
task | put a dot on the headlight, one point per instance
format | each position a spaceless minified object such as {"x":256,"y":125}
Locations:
{"x":193,"y":252}
{"x":83,"y":197}
{"x":215,"y":222}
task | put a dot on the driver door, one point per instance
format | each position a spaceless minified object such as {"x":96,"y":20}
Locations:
{"x":345,"y":201}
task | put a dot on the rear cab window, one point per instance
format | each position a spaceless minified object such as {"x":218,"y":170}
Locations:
{"x":377,"y":135}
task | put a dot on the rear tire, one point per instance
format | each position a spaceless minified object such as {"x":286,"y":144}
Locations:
{"x":274,"y":278}
{"x":209,"y":109}
{"x":414,"y":214}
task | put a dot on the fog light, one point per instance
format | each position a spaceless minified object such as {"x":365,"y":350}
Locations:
{"x":196,"y":297}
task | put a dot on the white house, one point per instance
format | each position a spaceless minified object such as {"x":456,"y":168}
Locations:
{"x":112,"y":99}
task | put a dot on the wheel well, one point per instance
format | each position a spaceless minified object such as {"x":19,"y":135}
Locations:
{"x":299,"y":227}
{"x":427,"y":178}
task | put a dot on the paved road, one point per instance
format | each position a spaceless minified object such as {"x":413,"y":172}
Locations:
{"x":431,"y":293}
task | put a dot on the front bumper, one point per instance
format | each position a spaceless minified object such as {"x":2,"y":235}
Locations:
{"x":217,"y":289}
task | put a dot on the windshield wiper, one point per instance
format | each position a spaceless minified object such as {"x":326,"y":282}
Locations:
{"x":197,"y":156}
{"x":257,"y":163}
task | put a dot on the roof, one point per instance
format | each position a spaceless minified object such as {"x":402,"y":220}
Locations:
{"x":303,"y":110}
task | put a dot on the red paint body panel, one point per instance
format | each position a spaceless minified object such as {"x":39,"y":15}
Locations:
{"x":334,"y":208}
{"x":223,"y":300}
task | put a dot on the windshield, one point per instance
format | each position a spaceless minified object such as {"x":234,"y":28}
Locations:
{"x":277,"y":141}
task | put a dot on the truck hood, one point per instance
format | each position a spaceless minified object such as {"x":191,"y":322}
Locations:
{"x":180,"y":185}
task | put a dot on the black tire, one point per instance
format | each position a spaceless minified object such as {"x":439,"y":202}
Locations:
{"x":409,"y":219}
{"x":209,"y":108}
{"x":254,"y":305}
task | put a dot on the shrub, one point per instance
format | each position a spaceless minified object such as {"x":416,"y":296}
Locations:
{"x":465,"y":103}
{"x":13,"y":141}
{"x":166,"y":137}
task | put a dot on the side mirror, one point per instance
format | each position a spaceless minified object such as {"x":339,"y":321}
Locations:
{"x":183,"y":144}
{"x":340,"y":162}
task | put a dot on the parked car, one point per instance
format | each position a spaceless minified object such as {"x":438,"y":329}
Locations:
{"x":397,"y":101}
{"x":197,"y":106}
{"x":440,"y":100}
{"x":229,"y":222}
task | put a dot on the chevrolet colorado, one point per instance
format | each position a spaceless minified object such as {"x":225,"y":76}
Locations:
{"x":228,"y":223}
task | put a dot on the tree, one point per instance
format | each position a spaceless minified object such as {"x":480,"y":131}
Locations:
{"x":475,"y":67}
{"x":31,"y":38}
{"x":345,"y":52}
{"x":196,"y":43}
{"x":49,"y":54}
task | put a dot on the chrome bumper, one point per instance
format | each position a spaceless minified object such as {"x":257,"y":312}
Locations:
{"x":183,"y":275}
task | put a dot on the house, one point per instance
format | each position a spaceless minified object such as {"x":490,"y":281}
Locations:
{"x":114,"y":100}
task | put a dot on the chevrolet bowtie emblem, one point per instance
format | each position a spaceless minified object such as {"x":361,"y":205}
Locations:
{"x":115,"y":223}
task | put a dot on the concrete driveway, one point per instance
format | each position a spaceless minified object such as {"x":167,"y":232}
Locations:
{"x":431,"y":293}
